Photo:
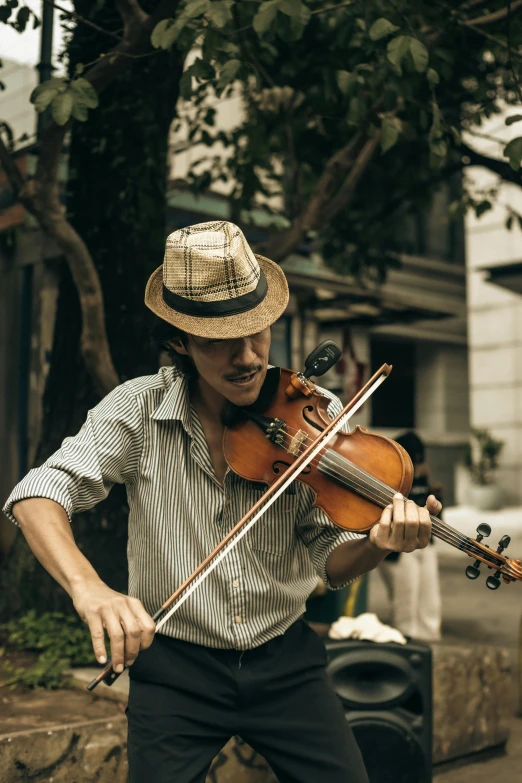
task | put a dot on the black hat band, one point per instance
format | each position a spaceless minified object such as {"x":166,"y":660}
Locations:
{"x":219,"y":308}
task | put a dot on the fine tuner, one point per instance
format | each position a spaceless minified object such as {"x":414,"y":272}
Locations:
{"x":473,"y":571}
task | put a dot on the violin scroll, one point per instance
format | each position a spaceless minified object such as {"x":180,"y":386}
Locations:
{"x":509,"y":570}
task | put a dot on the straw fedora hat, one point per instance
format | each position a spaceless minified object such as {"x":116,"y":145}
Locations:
{"x":211,"y":284}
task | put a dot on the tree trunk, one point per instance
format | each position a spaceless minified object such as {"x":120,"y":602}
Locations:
{"x":116,"y":201}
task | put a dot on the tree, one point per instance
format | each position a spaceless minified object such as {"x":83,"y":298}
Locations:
{"x":353,"y":115}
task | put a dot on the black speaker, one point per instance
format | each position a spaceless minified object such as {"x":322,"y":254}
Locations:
{"x":386,"y":692}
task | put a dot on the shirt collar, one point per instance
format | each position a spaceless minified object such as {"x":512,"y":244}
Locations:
{"x":176,"y":403}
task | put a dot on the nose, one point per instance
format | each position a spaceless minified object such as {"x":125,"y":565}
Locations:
{"x":244,"y":353}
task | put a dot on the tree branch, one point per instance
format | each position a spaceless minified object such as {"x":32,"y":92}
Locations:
{"x":327,"y":188}
{"x":495,"y":16}
{"x":347,"y":189}
{"x":504,"y":170}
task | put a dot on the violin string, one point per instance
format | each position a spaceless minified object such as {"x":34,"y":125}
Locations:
{"x":442,"y":530}
{"x":380,"y":484}
{"x":439,"y":531}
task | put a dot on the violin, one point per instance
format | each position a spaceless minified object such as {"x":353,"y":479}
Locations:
{"x":287,"y":435}
{"x":355,"y":477}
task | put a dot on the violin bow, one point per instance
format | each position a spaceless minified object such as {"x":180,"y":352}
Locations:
{"x":192,"y":582}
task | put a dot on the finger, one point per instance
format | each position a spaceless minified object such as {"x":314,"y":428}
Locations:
{"x":117,"y":639}
{"x":132,"y":630}
{"x":98,"y":637}
{"x":146,"y":623}
{"x":433,"y":505}
{"x":424,"y":533}
{"x":398,"y":521}
{"x":380,"y":533}
{"x":411,"y":526}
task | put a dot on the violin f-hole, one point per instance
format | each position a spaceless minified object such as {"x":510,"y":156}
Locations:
{"x":310,"y":421}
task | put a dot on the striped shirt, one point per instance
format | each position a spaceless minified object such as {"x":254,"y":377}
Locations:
{"x":147,"y":435}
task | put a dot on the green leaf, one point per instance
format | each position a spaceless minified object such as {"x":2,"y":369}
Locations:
{"x":80,"y":112}
{"x":166,"y":32}
{"x":396,"y":50}
{"x":420,"y":55}
{"x":390,"y":130}
{"x":513,"y":151}
{"x":196,"y":8}
{"x":61,"y":107}
{"x":483,"y":207}
{"x":22,"y":18}
{"x":514,"y":118}
{"x":220,"y":13}
{"x":43,"y":94}
{"x":228,"y":72}
{"x":433,"y":77}
{"x":265,"y":16}
{"x":202,"y":70}
{"x":439,"y":147}
{"x":185,"y":86}
{"x":346,"y":81}
{"x":294,"y":8}
{"x":456,"y":134}
{"x":85,"y":93}
{"x":381,"y":28}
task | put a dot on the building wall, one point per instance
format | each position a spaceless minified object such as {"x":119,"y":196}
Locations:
{"x":495,"y":339}
{"x":16,"y":110}
{"x":494,"y":313}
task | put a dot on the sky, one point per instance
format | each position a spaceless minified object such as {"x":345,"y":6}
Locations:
{"x":25,"y":47}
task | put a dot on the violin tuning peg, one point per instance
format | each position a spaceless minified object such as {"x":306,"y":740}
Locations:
{"x":483,"y":530}
{"x":493,"y":582}
{"x":503,"y":544}
{"x":473,"y":571}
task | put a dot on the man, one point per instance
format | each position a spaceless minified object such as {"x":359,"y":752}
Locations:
{"x":236,"y":658}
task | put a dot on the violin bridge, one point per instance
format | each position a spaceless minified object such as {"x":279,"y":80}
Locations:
{"x":297,"y":441}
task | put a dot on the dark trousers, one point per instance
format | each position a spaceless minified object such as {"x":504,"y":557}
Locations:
{"x":186,"y":701}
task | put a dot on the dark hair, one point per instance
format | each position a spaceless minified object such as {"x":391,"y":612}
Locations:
{"x":160,"y":334}
{"x":411,"y":443}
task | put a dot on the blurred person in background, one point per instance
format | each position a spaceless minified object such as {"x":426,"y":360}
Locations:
{"x":413,"y":582}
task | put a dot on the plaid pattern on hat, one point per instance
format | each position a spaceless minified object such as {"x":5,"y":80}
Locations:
{"x":218,"y":263}
{"x":212,"y":285}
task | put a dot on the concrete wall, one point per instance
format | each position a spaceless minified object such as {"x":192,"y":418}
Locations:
{"x":495,"y":319}
{"x":495,"y":343}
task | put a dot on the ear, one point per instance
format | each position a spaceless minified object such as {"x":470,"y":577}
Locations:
{"x":178,"y":346}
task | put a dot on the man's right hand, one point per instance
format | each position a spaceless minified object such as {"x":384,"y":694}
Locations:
{"x":129,"y":627}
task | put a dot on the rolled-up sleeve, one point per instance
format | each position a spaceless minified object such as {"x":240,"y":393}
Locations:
{"x":317,"y":532}
{"x":105,"y":451}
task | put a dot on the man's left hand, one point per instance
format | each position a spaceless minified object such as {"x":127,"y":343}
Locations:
{"x":404,"y":526}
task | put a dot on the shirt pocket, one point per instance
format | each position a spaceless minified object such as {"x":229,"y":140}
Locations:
{"x":274,"y":532}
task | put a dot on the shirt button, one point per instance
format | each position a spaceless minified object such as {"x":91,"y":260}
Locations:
{"x":238,"y":619}
{"x":235,"y":583}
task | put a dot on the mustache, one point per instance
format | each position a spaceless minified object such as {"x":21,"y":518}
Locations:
{"x":241,"y":372}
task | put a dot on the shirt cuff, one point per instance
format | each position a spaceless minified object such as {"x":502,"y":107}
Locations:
{"x":338,"y":540}
{"x":39,"y":483}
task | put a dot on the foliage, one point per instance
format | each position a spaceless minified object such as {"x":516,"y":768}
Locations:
{"x":314,"y":76}
{"x":60,"y":640}
{"x":66,"y":98}
{"x":482,"y":455}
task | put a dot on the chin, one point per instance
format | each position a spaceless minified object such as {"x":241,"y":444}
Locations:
{"x":243,"y":397}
